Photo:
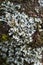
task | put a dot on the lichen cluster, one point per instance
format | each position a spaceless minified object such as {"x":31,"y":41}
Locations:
{"x":14,"y":45}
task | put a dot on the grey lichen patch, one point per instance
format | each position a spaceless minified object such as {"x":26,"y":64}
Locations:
{"x":40,"y":2}
{"x":23,"y":33}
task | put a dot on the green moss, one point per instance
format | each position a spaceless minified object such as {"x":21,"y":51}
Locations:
{"x":4,"y":37}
